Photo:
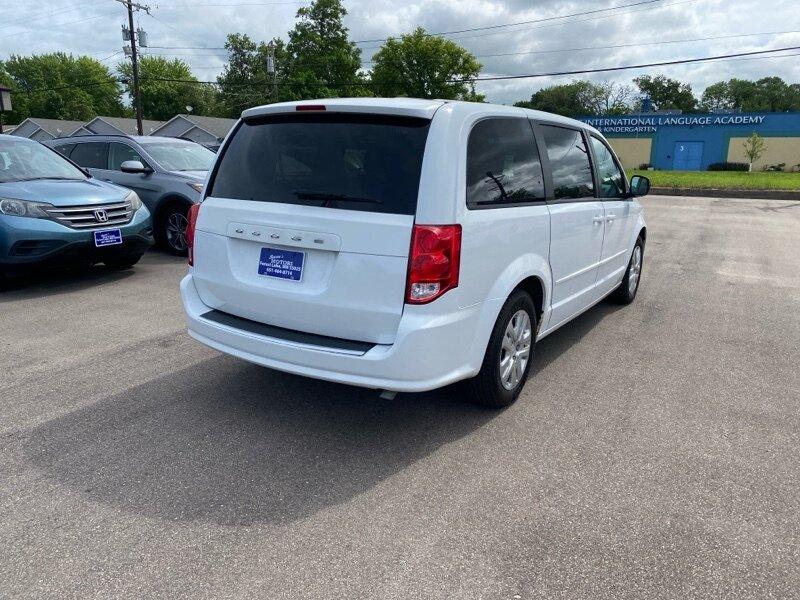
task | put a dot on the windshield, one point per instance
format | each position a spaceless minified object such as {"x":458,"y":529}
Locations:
{"x":181,"y":157}
{"x":24,"y":161}
{"x":354,"y":162}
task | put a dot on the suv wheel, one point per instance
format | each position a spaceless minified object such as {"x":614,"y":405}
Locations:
{"x":171,"y":229}
{"x":508,"y":356}
{"x":626,"y":291}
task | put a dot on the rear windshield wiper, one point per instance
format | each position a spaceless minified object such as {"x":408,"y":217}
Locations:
{"x":331,"y":197}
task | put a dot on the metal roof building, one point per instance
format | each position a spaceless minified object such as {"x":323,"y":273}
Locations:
{"x":204,"y":130}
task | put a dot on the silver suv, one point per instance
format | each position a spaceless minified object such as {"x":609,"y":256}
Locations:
{"x":167,"y":174}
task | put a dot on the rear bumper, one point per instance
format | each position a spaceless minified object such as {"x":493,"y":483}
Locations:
{"x":430,"y":351}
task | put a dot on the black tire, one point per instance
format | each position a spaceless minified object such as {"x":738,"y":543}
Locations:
{"x":123,"y":262}
{"x":168,"y":231}
{"x":487,"y":387}
{"x":626,"y":292}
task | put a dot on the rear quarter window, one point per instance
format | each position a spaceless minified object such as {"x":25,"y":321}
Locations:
{"x":503,"y":165}
{"x":91,"y":155}
{"x":354,"y":162}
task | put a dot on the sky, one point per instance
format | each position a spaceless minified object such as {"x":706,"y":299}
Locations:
{"x":645,"y":32}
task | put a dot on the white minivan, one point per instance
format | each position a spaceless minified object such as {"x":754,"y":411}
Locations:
{"x":403,"y":244}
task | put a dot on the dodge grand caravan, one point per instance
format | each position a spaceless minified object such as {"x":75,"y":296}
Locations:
{"x":404,"y":244}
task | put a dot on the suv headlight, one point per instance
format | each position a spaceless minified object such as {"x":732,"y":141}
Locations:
{"x":24,"y":208}
{"x":136,"y":202}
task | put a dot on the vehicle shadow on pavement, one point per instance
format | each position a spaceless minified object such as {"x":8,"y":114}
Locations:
{"x":46,"y":283}
{"x":232,"y":443}
{"x":569,"y":334}
{"x":236,"y":444}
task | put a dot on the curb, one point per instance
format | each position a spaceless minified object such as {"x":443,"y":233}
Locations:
{"x":708,"y":193}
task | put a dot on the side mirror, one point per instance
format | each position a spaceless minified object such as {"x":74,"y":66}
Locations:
{"x":640,"y":185}
{"x":134,"y":166}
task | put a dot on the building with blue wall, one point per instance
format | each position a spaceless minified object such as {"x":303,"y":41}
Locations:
{"x":691,"y":142}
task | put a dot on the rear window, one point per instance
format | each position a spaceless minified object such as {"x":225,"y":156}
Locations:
{"x":354,"y":162}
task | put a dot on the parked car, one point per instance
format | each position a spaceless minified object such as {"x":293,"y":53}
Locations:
{"x":167,"y":173}
{"x":52,"y":213}
{"x":404,"y":244}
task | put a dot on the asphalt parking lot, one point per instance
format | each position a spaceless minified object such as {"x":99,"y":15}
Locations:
{"x":653,"y":453}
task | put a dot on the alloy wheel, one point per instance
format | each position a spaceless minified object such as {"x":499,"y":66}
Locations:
{"x":635,"y":270}
{"x":176,"y":231}
{"x":515,"y":350}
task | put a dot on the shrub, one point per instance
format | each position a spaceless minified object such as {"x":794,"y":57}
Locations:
{"x":728,"y":166}
{"x":776,"y":168}
{"x":644,"y":166}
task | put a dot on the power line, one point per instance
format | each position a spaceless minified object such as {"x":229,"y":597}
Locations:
{"x":645,"y":5}
{"x":754,"y":55}
{"x":648,"y":4}
{"x":555,"y":18}
{"x":170,"y":6}
{"x":57,"y":25}
{"x":549,"y":25}
{"x":615,"y":46}
{"x":530,"y":75}
{"x":48,"y":13}
{"x":627,"y":67}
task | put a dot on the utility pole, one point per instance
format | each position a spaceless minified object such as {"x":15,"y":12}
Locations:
{"x":137,"y":100}
{"x":271,"y":72}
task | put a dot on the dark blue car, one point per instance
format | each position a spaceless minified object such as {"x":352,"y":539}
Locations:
{"x":52,"y":213}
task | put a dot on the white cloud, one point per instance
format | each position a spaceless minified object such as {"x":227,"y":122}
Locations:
{"x":93,"y":27}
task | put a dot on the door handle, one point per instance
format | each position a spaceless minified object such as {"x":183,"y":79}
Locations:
{"x":597,"y":220}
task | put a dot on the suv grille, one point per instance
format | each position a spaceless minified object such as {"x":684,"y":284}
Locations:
{"x":93,"y":215}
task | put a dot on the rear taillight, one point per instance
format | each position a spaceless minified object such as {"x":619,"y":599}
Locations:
{"x":189,"y":234}
{"x":433,"y":262}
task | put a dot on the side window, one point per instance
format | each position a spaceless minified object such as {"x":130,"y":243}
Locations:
{"x":65,"y":149}
{"x":569,"y":162}
{"x":612,"y":179}
{"x":503,"y":165}
{"x":118,"y":153}
{"x":91,"y":155}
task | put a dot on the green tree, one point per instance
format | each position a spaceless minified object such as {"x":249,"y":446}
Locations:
{"x":425,"y":66}
{"x":754,"y":148}
{"x":769,"y":94}
{"x":244,"y":81}
{"x":666,"y":93}
{"x":321,"y":59}
{"x":165,"y":89}
{"x":60,"y":86}
{"x":582,"y":98}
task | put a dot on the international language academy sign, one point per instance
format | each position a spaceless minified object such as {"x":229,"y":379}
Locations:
{"x":651,"y":124}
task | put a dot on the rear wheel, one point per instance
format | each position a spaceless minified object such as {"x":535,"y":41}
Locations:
{"x":508,"y":356}
{"x":626,"y":292}
{"x":170,"y":230}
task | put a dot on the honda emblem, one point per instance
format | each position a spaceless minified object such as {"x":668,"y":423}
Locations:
{"x":101,"y":216}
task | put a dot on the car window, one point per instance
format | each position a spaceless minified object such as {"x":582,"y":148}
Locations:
{"x":569,"y":162}
{"x":118,"y":153}
{"x":503,"y":165}
{"x":612,"y":179}
{"x":355,"y":162}
{"x":91,"y":155}
{"x":65,"y":149}
{"x":25,"y":161}
{"x":180,"y":156}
